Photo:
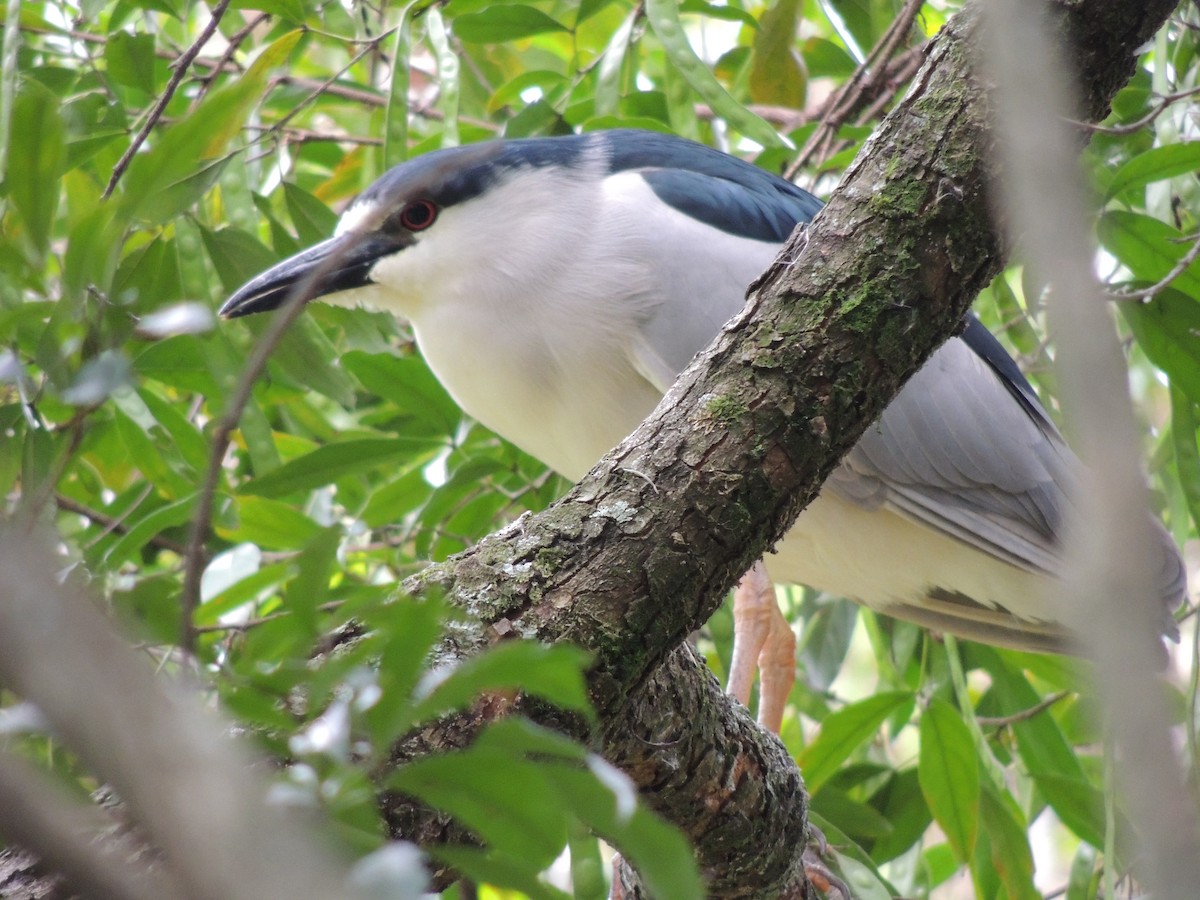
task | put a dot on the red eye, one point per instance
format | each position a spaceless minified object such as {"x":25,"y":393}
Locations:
{"x":418,"y":215}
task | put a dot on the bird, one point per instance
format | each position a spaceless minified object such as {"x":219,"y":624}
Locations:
{"x":556,"y":286}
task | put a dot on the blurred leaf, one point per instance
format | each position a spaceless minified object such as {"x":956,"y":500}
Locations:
{"x":129,"y":59}
{"x":314,"y":220}
{"x":308,"y":357}
{"x":140,"y":530}
{"x":777,"y":73}
{"x":410,"y":385}
{"x":1166,"y":329}
{"x":1011,"y":858}
{"x":553,"y":673}
{"x":36,"y":156}
{"x":519,"y":787}
{"x":824,"y":58}
{"x":664,"y":18}
{"x":1155,"y":164}
{"x":179,"y":166}
{"x":504,"y":22}
{"x":948,"y":770}
{"x":236,"y":256}
{"x":272,"y":524}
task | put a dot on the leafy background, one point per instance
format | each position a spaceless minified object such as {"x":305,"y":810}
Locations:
{"x":150,"y":167}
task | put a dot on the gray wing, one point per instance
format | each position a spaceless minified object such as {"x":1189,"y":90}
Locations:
{"x":961,"y":451}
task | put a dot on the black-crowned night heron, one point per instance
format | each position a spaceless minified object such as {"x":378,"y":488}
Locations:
{"x":557,"y":286}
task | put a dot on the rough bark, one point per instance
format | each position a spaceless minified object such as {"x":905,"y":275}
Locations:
{"x":642,"y":550}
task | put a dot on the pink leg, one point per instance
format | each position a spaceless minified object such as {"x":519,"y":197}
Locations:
{"x":762,"y":638}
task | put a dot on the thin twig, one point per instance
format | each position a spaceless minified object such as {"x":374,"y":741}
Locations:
{"x":323,"y":86}
{"x":1024,"y":715}
{"x":289,"y":310}
{"x":294,"y":135}
{"x":843,"y":103}
{"x":180,"y":70}
{"x":226,"y":60}
{"x":194,"y":558}
{"x":111,"y":524}
{"x":1155,"y":111}
{"x":1178,"y":269}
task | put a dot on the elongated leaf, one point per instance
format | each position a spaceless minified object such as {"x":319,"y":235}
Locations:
{"x":1011,"y":857}
{"x":554,"y":673}
{"x":501,"y":23}
{"x":272,"y":524}
{"x":1046,"y":753}
{"x":36,"y":155}
{"x":129,"y":59}
{"x":503,"y":799}
{"x":327,"y":464}
{"x":1155,"y":164}
{"x":844,"y":732}
{"x":1166,"y":329}
{"x":179,"y":166}
{"x":948,"y":770}
{"x":664,"y":19}
{"x":777,"y":73}
{"x":1149,"y":248}
{"x":408,"y":383}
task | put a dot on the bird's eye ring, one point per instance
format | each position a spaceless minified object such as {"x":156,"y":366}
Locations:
{"x":418,"y":215}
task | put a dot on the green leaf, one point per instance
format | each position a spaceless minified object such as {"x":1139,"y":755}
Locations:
{"x":1148,"y":248}
{"x":129,"y":59}
{"x":183,"y":161}
{"x":36,"y":155}
{"x":949,"y":775}
{"x":235,"y":255}
{"x":1011,"y":857}
{"x":308,"y":357}
{"x":408,"y":383}
{"x":843,"y":732}
{"x":1155,"y":164}
{"x":503,"y":799}
{"x":900,"y":802}
{"x":498,"y":869}
{"x":851,"y":816}
{"x":271,"y":524}
{"x":664,"y":19}
{"x":501,"y":23}
{"x":1166,"y":329}
{"x":141,"y":530}
{"x":777,"y":73}
{"x":327,"y":464}
{"x":310,"y":587}
{"x":314,"y":220}
{"x":554,"y":673}
{"x":826,"y":59}
{"x":1046,"y":753}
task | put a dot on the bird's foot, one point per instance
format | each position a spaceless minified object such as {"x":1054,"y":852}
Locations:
{"x":817,"y":871}
{"x":762,"y":639}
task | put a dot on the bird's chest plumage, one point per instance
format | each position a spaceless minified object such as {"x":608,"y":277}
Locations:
{"x":564,"y":406}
